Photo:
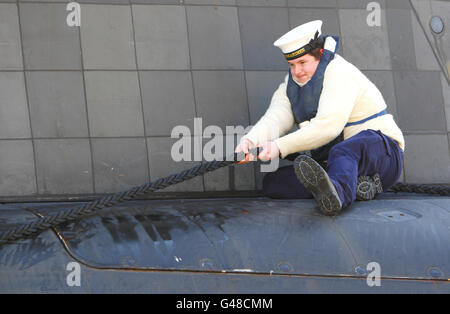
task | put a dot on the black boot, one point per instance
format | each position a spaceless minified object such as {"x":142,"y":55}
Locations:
{"x":368,"y":187}
{"x":315,"y":179}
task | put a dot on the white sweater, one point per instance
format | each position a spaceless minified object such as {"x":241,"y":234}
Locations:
{"x":347,"y":96}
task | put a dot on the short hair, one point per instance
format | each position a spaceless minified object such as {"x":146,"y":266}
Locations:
{"x":315,"y":53}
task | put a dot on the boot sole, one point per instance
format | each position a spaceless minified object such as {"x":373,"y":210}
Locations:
{"x":368,"y":187}
{"x":378,"y":185}
{"x":315,"y":179}
{"x":365,"y":189}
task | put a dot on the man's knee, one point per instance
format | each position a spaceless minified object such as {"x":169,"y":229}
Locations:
{"x":349,"y":149}
{"x":358,"y":144}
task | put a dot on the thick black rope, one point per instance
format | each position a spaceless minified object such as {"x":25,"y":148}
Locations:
{"x":91,"y":208}
{"x":443,"y":190}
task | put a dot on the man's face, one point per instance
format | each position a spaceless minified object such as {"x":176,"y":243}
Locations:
{"x":303,"y":68}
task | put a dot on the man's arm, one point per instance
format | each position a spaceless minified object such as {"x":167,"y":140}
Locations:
{"x":277,"y":120}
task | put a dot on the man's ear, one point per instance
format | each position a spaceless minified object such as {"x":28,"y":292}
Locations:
{"x":321,"y":52}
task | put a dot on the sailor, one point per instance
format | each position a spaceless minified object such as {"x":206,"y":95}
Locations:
{"x":342,"y":121}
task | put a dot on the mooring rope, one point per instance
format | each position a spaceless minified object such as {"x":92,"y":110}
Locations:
{"x":94,"y":207}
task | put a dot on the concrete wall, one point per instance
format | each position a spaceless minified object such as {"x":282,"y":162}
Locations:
{"x":90,"y":109}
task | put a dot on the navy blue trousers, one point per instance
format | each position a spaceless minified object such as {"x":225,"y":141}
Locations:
{"x":364,"y":154}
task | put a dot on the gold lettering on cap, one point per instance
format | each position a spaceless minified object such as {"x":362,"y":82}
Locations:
{"x":295,"y":53}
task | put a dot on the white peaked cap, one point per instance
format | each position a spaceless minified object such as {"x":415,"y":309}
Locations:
{"x":293,"y":41}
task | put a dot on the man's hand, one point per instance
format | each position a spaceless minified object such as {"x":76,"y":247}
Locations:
{"x":244,"y":147}
{"x":270,"y":151}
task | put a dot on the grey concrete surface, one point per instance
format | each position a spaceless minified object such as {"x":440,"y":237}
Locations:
{"x":112,"y":90}
{"x":446,"y":93}
{"x":107,"y":37}
{"x":420,"y":107}
{"x":367,"y":47}
{"x":422,"y":47}
{"x":312,"y":3}
{"x":216,"y":2}
{"x":114,"y":103}
{"x":163,"y":111}
{"x":427,"y":160}
{"x":57,"y":104}
{"x":358,"y":4}
{"x":221,"y":98}
{"x":275,"y":3}
{"x":401,"y":40}
{"x":63,"y":166}
{"x":330,"y":17}
{"x":214,"y":38}
{"x":119,"y":163}
{"x":18,"y":168}
{"x":260,"y":87}
{"x":258,"y":37}
{"x":10,"y":38}
{"x":385,"y":83}
{"x":47,"y":41}
{"x":161,"y":37}
{"x":14,"y":115}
